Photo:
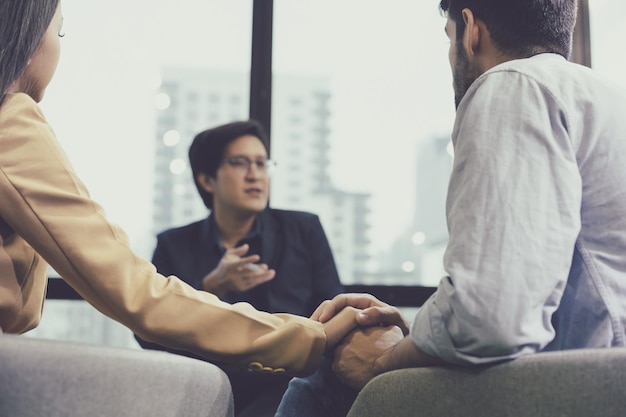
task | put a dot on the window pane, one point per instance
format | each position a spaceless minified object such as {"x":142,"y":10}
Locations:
{"x":362,"y":112}
{"x":121,"y":62}
{"x":608,"y":29}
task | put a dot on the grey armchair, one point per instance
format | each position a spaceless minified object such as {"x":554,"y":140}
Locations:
{"x":586,"y":382}
{"x":58,"y":379}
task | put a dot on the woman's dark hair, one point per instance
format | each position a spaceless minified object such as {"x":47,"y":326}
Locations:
{"x":520,"y":28}
{"x":208,"y":149}
{"x":22,"y":26}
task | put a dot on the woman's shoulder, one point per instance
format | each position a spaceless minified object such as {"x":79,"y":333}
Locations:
{"x":12,"y":100}
{"x":19,"y":104}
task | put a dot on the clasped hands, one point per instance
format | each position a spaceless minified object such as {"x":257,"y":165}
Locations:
{"x":362,"y":333}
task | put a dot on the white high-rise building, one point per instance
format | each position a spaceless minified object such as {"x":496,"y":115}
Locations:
{"x":416,"y":257}
{"x":188,"y":102}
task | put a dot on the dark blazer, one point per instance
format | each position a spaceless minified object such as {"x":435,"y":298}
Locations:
{"x":294,"y":244}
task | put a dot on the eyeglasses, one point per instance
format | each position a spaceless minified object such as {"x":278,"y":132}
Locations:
{"x":243,"y":163}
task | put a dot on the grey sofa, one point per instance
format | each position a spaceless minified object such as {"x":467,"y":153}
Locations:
{"x":57,"y":379}
{"x":586,"y":382}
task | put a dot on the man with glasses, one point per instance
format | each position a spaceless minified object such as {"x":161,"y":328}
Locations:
{"x":244,"y":251}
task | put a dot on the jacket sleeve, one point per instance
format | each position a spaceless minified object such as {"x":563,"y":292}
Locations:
{"x":47,"y":205}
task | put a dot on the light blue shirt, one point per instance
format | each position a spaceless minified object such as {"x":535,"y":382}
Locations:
{"x":536,"y":212}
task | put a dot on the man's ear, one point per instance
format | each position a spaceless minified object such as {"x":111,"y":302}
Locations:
{"x":206,"y":182}
{"x":472,"y":33}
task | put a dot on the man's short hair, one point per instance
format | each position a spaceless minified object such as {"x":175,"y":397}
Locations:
{"x":520,"y":28}
{"x":208,"y":150}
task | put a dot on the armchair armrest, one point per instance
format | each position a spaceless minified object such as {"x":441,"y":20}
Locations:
{"x":585,"y":382}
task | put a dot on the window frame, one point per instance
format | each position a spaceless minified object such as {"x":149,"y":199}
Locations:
{"x":261,"y":110}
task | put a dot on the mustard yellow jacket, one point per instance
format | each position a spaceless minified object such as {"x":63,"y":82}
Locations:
{"x":47,"y":216}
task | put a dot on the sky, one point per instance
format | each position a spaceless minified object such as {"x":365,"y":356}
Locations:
{"x":387,"y":68}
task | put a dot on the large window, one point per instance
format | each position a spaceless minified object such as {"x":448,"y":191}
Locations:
{"x":362,"y":108}
{"x":362,"y":112}
{"x":607,"y":31}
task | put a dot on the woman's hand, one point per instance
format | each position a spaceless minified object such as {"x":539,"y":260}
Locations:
{"x":236,"y":273}
{"x":339,"y":326}
{"x":374,"y":312}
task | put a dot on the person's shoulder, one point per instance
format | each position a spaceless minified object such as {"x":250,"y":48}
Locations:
{"x":292,"y":215}
{"x":19,"y":99}
{"x":178,"y":231}
{"x":22,"y":123}
{"x":16,"y":104}
{"x":563,"y":80}
{"x":544,"y":69}
{"x":542,"y":73}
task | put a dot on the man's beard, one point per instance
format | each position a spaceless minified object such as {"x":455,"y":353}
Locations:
{"x":462,"y":75}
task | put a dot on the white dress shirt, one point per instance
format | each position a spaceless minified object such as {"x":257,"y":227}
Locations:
{"x":536,"y":212}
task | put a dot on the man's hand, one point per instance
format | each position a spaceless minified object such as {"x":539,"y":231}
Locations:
{"x":356,"y":357}
{"x":369,"y":352}
{"x":374,"y":312}
{"x":232,"y":273}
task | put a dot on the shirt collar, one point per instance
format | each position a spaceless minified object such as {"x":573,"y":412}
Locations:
{"x":255,"y":233}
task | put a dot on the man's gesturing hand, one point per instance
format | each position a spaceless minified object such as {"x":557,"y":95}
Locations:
{"x":233,"y":273}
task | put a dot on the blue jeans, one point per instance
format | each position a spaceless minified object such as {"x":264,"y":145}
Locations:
{"x":319,"y":395}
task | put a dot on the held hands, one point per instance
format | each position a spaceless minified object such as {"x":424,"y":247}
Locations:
{"x":236,"y":272}
{"x":373,"y":311}
{"x":339,"y":326}
{"x":374,"y":344}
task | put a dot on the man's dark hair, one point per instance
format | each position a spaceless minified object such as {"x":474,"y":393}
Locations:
{"x":520,"y":28}
{"x":208,"y":150}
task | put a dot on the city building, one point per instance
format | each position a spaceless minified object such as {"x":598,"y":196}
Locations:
{"x":416,"y":256}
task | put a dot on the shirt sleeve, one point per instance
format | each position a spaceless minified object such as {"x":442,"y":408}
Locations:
{"x":513,"y":213}
{"x":45,"y":203}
